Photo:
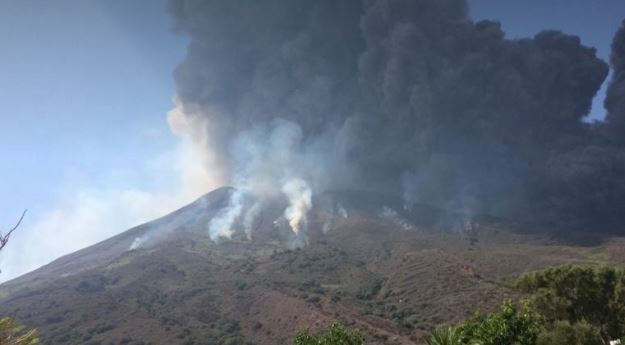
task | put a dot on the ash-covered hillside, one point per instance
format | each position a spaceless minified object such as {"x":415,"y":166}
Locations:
{"x":393,"y":165}
{"x":369,"y":261}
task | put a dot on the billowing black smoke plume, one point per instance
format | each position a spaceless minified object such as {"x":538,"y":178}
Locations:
{"x":615,"y":100}
{"x":405,"y":96}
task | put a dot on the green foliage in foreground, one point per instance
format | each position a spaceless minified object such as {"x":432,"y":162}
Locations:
{"x":563,"y":333}
{"x":445,"y":336}
{"x":336,"y":335}
{"x":513,"y":324}
{"x":567,"y":305}
{"x":14,"y":334}
{"x":595,"y":295}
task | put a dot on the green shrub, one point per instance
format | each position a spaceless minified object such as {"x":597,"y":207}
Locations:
{"x":445,"y":336}
{"x":576,"y":294}
{"x":336,"y":335}
{"x":563,"y":333}
{"x":513,"y":324}
{"x":567,"y":305}
{"x":369,"y":291}
{"x":13,"y":334}
{"x":313,"y":299}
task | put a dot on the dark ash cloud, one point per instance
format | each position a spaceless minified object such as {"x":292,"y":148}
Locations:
{"x":415,"y":99}
{"x":615,"y":97}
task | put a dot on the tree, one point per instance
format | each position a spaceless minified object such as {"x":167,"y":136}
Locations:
{"x":10,"y":332}
{"x":566,"y":305}
{"x":4,"y":239}
{"x":336,"y":335}
{"x":563,"y":333}
{"x":575,"y":294}
{"x":513,"y":324}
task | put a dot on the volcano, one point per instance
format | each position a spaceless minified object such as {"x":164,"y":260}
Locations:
{"x":394,"y":271}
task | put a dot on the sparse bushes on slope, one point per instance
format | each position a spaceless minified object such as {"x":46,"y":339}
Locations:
{"x":369,"y":291}
{"x":336,"y":335}
{"x":567,"y":305}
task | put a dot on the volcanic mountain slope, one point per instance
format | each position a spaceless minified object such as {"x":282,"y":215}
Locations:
{"x":393,"y":272}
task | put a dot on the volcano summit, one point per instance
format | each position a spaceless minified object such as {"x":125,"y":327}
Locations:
{"x":392,"y":271}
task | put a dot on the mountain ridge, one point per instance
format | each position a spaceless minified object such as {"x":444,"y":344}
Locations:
{"x":392,"y":270}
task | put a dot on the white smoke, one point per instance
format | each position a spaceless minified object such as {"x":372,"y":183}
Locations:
{"x":79,"y":219}
{"x":342,"y":211}
{"x":270,"y":162}
{"x":250,"y":216}
{"x":200,"y":167}
{"x":136,"y":243}
{"x":394,"y":217}
{"x":299,"y":195}
{"x":84,"y":214}
{"x":222,"y":225}
{"x":338,"y":211}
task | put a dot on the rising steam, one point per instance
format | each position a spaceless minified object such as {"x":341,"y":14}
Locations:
{"x":269,"y":162}
{"x":222,"y":225}
{"x":299,"y":195}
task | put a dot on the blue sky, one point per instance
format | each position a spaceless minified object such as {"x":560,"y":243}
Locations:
{"x":85,"y":88}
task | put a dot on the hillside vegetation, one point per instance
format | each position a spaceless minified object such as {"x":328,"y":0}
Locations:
{"x":564,"y":305}
{"x":13,"y":334}
{"x":368,"y":272}
{"x":567,"y":305}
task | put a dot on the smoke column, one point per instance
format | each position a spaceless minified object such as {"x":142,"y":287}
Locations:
{"x":407,"y":97}
{"x":300,"y":202}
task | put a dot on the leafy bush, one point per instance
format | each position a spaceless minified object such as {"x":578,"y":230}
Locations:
{"x":567,"y":305}
{"x":336,"y":335}
{"x":563,"y":333}
{"x":14,"y":334}
{"x":445,"y":336}
{"x":580,"y":294}
{"x":513,"y":324}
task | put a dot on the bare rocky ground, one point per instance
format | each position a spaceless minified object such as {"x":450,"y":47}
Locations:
{"x":394,"y":275}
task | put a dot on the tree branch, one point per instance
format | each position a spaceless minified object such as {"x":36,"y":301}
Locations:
{"x":5,"y":238}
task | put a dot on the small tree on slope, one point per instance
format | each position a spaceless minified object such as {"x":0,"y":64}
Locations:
{"x":10,"y":332}
{"x":4,"y":239}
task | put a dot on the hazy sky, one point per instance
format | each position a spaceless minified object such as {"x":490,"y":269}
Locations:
{"x":85,"y":88}
{"x":85,"y":85}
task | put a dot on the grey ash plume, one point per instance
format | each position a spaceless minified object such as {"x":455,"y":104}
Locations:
{"x":406,"y":96}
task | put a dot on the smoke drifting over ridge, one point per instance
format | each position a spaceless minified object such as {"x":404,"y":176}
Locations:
{"x":405,"y":96}
{"x":615,"y":102}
